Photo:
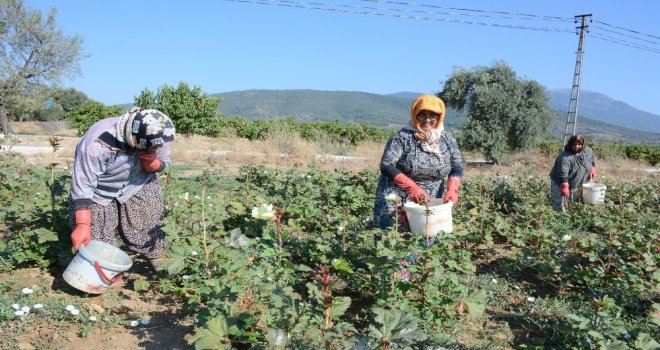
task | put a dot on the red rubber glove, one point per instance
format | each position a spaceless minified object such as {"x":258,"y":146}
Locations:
{"x":416,"y":193}
{"x":592,"y":173}
{"x":452,"y":189}
{"x":83,"y":231}
{"x":564,"y":189}
{"x":149,"y":161}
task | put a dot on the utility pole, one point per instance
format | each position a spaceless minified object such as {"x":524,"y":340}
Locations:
{"x":577,"y":76}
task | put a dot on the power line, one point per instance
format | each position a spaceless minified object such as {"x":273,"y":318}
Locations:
{"x":623,"y":42}
{"x":358,"y":10}
{"x":626,"y":35}
{"x":629,"y":30}
{"x":529,"y":16}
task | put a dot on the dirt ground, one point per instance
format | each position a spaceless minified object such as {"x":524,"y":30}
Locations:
{"x":169,"y":323}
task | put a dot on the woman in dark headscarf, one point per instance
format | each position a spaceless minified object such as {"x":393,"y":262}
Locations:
{"x":573,"y":167}
{"x":417,"y":162}
{"x":114,"y":185}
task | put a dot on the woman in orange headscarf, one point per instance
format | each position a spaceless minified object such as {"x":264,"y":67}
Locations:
{"x":416,"y":161}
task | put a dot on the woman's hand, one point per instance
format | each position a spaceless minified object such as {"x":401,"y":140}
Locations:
{"x":83,"y":231}
{"x":452,"y":189}
{"x":416,"y":193}
{"x":592,"y":173}
{"x":149,"y":161}
{"x":565,"y":191}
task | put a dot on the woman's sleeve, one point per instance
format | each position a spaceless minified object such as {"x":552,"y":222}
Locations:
{"x":391,"y":155}
{"x":89,"y":163}
{"x":456,"y":158}
{"x":163,"y":155}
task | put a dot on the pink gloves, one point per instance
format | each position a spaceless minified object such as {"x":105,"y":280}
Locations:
{"x":592,"y":173}
{"x":149,"y":161}
{"x":83,"y":231}
{"x":416,"y":193}
{"x":452,"y":189}
{"x":565,"y":192}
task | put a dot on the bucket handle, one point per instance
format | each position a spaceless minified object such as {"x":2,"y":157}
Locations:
{"x":113,"y":280}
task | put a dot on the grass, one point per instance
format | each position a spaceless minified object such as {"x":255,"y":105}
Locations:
{"x":288,"y":150}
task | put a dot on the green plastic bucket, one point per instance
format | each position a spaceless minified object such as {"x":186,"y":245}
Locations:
{"x":96,"y":267}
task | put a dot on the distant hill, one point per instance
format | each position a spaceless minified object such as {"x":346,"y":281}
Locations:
{"x":392,"y":111}
{"x":600,"y":107}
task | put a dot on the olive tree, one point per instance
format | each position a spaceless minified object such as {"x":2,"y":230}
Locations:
{"x":504,"y":114}
{"x":192,"y":111}
{"x":33,"y":50}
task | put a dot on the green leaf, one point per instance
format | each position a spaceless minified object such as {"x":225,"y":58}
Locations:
{"x":339,"y":306}
{"x":140,"y":285}
{"x":212,"y":337}
{"x":646,"y":342}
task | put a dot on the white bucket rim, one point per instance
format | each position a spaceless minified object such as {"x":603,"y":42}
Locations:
{"x":89,"y":256}
{"x":436,"y":204}
{"x":594,"y":186}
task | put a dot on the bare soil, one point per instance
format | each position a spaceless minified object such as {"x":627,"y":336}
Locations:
{"x":169,"y":323}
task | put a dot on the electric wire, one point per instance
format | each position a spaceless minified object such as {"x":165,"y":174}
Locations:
{"x":428,"y":16}
{"x":524,"y":15}
{"x":629,"y":30}
{"x":357,"y":10}
{"x":626,"y":35}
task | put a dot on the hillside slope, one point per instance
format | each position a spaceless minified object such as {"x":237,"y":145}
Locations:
{"x":391,"y":111}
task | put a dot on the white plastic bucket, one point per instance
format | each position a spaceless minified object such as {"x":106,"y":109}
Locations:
{"x":439,"y":217}
{"x":96,"y":267}
{"x":593,"y":193}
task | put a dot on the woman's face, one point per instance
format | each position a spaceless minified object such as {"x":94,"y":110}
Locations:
{"x":576,"y":147}
{"x":427,"y":120}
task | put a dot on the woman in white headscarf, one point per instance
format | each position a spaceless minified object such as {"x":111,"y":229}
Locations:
{"x":114,"y":185}
{"x":416,"y":162}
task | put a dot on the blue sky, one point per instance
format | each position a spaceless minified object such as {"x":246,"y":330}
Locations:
{"x":222,"y":45}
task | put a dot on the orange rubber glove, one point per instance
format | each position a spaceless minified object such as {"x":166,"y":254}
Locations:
{"x":149,"y":161}
{"x":592,"y":173}
{"x":83,"y":231}
{"x":452,"y":189}
{"x":416,"y":193}
{"x":564,"y":189}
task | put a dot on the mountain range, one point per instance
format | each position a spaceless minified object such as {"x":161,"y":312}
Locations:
{"x":599,"y":116}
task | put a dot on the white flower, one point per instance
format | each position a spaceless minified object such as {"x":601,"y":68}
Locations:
{"x":185,"y":277}
{"x":392,"y":197}
{"x":493,"y":280}
{"x":27,"y":291}
{"x":185,"y":196}
{"x":531,"y":299}
{"x":516,"y":287}
{"x":16,"y":306}
{"x":193,"y":253}
{"x":75,"y":312}
{"x":25,"y":309}
{"x":566,"y":238}
{"x":19,"y":313}
{"x":37,"y":306}
{"x":263,"y":212}
{"x":70,"y":308}
{"x":145,"y":322}
{"x":134,"y":323}
{"x":92,"y":318}
{"x":340,"y":228}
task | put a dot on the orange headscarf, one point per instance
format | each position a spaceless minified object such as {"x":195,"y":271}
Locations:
{"x":429,"y":103}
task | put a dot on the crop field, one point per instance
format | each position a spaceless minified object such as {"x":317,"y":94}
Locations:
{"x":268,"y":258}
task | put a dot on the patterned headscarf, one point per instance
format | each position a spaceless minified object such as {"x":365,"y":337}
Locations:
{"x":145,"y":128}
{"x":429,"y":139}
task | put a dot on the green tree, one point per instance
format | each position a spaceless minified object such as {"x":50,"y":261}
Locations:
{"x":89,"y":112}
{"x":33,"y":50}
{"x":192,"y":111}
{"x":505,"y":114}
{"x":69,"y":98}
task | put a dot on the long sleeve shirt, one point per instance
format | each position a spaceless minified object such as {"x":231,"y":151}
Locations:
{"x":104,"y":169}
